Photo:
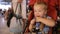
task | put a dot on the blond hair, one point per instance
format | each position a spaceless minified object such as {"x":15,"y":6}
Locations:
{"x":43,"y":4}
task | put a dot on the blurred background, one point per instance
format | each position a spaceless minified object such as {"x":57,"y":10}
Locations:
{"x":6,"y":5}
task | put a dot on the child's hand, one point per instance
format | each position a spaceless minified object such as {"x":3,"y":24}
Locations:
{"x":32,"y":21}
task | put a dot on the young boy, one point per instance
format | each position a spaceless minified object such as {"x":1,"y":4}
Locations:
{"x":40,"y":15}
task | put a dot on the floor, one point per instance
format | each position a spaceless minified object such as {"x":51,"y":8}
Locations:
{"x":3,"y":27}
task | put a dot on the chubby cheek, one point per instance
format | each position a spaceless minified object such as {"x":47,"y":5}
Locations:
{"x":41,"y":14}
{"x":37,"y":14}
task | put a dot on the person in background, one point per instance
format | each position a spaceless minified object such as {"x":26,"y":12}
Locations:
{"x":9,"y":16}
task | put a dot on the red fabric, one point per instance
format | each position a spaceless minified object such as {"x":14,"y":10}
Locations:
{"x":52,"y":12}
{"x":59,"y":5}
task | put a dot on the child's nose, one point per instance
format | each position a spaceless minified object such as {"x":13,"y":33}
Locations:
{"x":37,"y":14}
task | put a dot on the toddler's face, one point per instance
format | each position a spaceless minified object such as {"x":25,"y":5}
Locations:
{"x":39,"y":11}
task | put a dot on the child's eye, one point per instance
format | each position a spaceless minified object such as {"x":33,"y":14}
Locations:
{"x":39,"y":11}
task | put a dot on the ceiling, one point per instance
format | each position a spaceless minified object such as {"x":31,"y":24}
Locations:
{"x":5,"y":0}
